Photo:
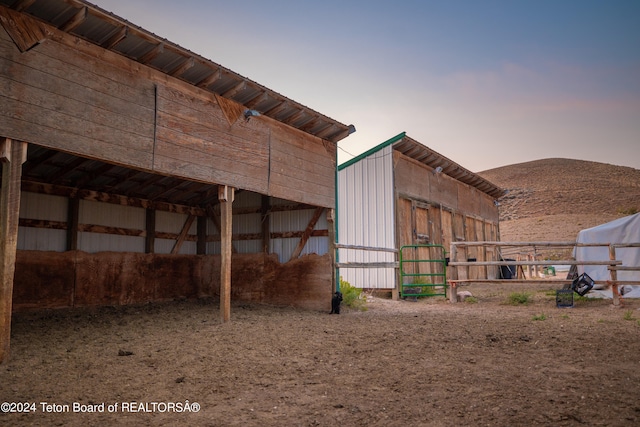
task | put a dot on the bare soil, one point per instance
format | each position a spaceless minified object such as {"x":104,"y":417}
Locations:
{"x":399,"y":363}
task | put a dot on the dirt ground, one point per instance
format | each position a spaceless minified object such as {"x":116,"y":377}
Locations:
{"x":399,"y":363}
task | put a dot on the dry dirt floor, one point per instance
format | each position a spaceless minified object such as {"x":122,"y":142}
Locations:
{"x":399,"y":363}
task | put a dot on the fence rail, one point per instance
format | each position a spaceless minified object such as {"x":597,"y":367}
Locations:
{"x":613,"y":265}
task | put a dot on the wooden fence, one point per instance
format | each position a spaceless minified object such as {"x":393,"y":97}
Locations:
{"x":614,"y":265}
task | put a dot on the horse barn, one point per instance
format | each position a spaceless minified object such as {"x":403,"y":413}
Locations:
{"x":134,"y":170}
{"x":400,"y":206}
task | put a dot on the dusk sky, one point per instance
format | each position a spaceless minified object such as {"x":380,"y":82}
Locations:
{"x":485,"y":83}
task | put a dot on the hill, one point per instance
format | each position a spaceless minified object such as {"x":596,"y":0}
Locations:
{"x":553,"y":199}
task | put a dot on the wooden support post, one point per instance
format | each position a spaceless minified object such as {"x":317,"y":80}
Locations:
{"x":266,"y":228}
{"x":150,"y":239}
{"x":225,"y":195}
{"x":201,"y":245}
{"x":12,"y":155}
{"x":615,"y":292}
{"x":73,"y":214}
{"x":453,"y":289}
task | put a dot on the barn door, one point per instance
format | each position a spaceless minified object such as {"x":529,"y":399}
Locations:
{"x":422,"y":235}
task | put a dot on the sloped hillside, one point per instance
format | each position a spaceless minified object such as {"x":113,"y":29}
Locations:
{"x":553,"y":199}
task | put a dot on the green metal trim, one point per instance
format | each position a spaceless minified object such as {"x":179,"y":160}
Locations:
{"x":372,"y":150}
{"x":339,"y":168}
{"x":335,"y":225}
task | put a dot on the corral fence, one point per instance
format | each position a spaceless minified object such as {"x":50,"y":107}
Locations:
{"x":534,"y":256}
{"x":523,"y":262}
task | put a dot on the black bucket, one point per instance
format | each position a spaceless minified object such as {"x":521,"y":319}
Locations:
{"x":508,"y":271}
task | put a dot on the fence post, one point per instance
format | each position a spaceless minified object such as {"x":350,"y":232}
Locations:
{"x":614,"y":277}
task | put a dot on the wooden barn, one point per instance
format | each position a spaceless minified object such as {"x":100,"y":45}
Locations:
{"x":135,"y":170}
{"x":400,"y":196}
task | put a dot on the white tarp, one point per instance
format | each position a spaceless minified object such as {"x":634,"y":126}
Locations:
{"x":622,"y":230}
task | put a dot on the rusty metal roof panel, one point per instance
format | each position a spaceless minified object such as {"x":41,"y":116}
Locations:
{"x":166,"y":61}
{"x":94,"y":29}
{"x":56,"y":12}
{"x":197,"y":73}
{"x":133,"y":47}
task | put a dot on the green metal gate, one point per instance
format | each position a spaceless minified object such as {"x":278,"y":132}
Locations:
{"x":431,"y":283}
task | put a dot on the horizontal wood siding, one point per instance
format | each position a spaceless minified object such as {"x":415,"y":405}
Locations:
{"x":302,"y":167}
{"x":411,"y":177}
{"x":69,"y":95}
{"x":58,"y":98}
{"x":468,"y":199}
{"x":488,"y":208}
{"x":195,"y":140}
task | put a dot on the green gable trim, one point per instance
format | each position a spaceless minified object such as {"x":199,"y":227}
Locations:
{"x":372,"y":150}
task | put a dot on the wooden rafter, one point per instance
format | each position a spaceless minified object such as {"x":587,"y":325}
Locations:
{"x":117,"y":37}
{"x":152,"y":54}
{"x":78,"y":18}
{"x":184,"y":66}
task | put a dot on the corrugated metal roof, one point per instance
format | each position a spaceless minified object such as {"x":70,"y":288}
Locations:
{"x":104,"y":29}
{"x":417,"y":151}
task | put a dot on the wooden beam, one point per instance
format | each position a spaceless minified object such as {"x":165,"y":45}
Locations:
{"x":152,"y":54}
{"x":201,"y":243}
{"x":187,"y":64}
{"x":75,"y":20}
{"x":256,"y":100}
{"x":73,"y":213}
{"x":116,"y":38}
{"x":150,"y":224}
{"x":225,"y":195}
{"x":265,"y":222}
{"x":210,"y":79}
{"x":14,"y":155}
{"x":215,"y":218}
{"x":277,"y":109}
{"x":183,"y":234}
{"x":97,"y":196}
{"x":307,"y":233}
{"x":239,"y":87}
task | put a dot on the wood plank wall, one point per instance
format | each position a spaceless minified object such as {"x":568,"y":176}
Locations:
{"x":79,"y":279}
{"x":72,"y":96}
{"x":58,"y":98}
{"x":456,"y":211}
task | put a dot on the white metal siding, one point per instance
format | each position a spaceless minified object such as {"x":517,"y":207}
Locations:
{"x":285,"y":221}
{"x":42,"y":207}
{"x":170,"y":222}
{"x":54,"y":208}
{"x":366,"y":218}
{"x":112,"y":216}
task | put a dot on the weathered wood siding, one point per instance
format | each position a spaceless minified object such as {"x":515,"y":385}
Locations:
{"x":79,"y":279}
{"x":57,"y":97}
{"x":302,"y":167}
{"x":437,"y":209}
{"x":195,"y":140}
{"x":69,"y":95}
